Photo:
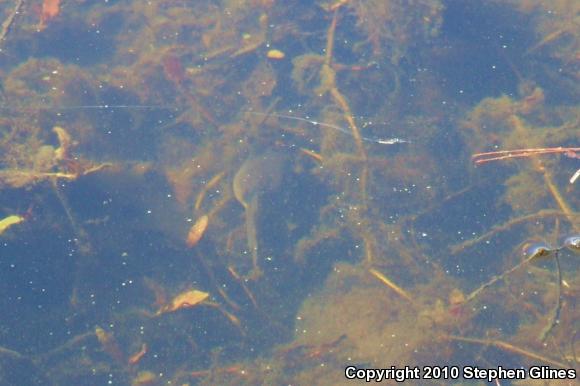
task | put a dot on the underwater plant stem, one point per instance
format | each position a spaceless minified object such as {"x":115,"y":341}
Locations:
{"x":389,"y":283}
{"x":560,"y":199}
{"x":82,"y":238}
{"x":505,"y":226}
{"x":9,"y":21}
{"x":328,"y":83}
{"x":490,"y":156}
{"x":521,"y":129}
{"x":330,"y":39}
{"x":497,"y":278}
{"x":251,"y":213}
{"x":555,"y":317}
{"x":509,"y":348}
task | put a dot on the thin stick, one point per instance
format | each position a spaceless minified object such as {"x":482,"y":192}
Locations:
{"x":389,"y":283}
{"x":497,"y":278}
{"x":505,"y":226}
{"x":386,"y":141}
{"x":540,"y":150}
{"x":9,"y":20}
{"x":510,"y":348}
{"x":481,"y":158}
{"x":555,"y":318}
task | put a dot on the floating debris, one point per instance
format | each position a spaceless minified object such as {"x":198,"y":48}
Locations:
{"x":65,"y":142}
{"x":575,"y":176}
{"x":9,"y":221}
{"x":135,"y":358}
{"x":144,"y":378}
{"x":110,"y":345}
{"x":186,"y":299}
{"x":50,"y":10}
{"x":196,"y":231}
{"x":275,"y":54}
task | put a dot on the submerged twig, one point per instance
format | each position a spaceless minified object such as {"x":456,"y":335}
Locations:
{"x":555,"y":317}
{"x":505,"y":226}
{"x":9,"y":21}
{"x":509,"y":348}
{"x":497,"y":278}
{"x":389,"y":283}
{"x":481,"y":158}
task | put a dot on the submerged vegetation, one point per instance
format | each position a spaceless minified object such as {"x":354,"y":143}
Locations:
{"x":165,"y":220}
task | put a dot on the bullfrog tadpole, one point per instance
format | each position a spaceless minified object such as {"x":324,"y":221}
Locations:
{"x":258,"y":175}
